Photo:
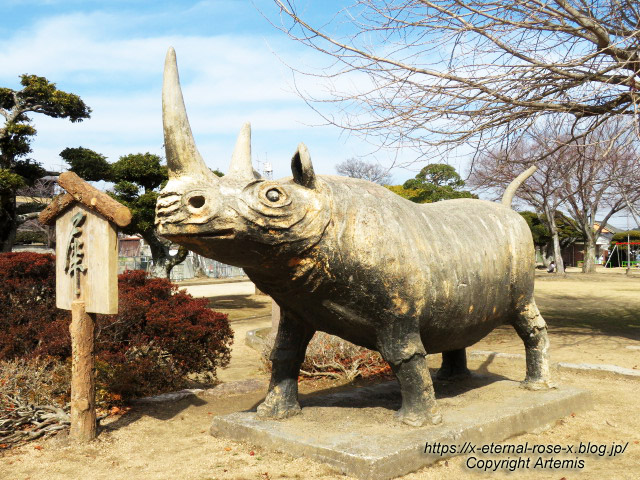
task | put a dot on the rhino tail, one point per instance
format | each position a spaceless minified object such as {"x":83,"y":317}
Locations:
{"x":507,"y":198}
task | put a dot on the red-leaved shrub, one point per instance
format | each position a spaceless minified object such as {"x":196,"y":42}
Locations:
{"x":30,"y":323}
{"x":158,"y":338}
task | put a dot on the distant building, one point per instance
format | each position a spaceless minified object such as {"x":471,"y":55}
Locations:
{"x":32,"y":199}
{"x":574,"y":253}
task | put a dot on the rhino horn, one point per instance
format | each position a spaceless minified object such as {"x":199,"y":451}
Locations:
{"x":183,"y":158}
{"x":241,"y":166}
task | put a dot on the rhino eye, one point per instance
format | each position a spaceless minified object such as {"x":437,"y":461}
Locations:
{"x":197,"y":201}
{"x":273,"y":195}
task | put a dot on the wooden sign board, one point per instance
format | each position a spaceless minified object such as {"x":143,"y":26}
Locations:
{"x":86,"y":261}
{"x":86,"y":281}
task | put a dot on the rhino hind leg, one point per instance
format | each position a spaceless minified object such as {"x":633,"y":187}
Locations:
{"x":286,"y":357}
{"x":532,"y":329}
{"x":454,"y":365}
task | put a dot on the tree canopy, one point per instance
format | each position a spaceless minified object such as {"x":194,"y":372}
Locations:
{"x":631,"y":235}
{"x":435,"y":182}
{"x":38,"y":95}
{"x":88,"y":164}
{"x":144,"y":169}
{"x":567,"y":231}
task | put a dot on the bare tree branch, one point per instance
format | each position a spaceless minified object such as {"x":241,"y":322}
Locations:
{"x":357,"y":168}
{"x":445,"y":73}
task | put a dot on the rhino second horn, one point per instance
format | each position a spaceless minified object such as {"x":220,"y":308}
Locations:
{"x":183,"y":158}
{"x":241,"y":166}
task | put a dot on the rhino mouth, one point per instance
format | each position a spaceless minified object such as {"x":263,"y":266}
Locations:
{"x":223,"y":233}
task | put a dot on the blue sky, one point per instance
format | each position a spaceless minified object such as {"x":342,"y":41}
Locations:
{"x":232,"y":69}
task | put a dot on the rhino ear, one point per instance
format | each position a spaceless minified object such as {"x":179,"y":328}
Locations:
{"x":302,"y":169}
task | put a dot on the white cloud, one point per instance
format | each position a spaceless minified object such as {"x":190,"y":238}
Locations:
{"x":227,"y":80}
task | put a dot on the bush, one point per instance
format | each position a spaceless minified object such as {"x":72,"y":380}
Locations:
{"x":159,"y":336}
{"x":331,"y":356}
{"x":30,"y":324}
{"x":33,"y":398}
{"x":24,"y":237}
{"x":35,"y":381}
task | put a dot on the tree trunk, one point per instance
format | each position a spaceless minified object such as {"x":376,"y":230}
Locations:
{"x":8,"y":224}
{"x":163,"y":261}
{"x":548,"y":253}
{"x":589,"y":264}
{"x":198,"y":266}
{"x":557,"y":251}
{"x":557,"y":254}
{"x":173,"y":260}
{"x":51,"y":236}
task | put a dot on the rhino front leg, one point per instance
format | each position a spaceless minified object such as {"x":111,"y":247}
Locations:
{"x":454,"y":365}
{"x":286,"y":357}
{"x":408,"y":359}
{"x":532,"y":329}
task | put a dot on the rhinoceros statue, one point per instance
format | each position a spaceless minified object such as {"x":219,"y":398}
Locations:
{"x":353,"y":259}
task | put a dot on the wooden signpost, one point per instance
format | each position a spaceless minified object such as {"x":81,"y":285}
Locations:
{"x":86,"y":281}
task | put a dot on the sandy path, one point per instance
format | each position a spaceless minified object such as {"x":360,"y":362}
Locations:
{"x":245,"y":361}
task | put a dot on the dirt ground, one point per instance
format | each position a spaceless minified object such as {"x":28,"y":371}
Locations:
{"x":592,"y":319}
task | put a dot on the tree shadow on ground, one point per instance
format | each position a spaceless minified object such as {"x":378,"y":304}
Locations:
{"x":589,"y":316}
{"x":237,"y":302}
{"x":159,"y":411}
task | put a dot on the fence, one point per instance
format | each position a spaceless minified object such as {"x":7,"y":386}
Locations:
{"x":134,"y":263}
{"x":214,"y":269}
{"x":184,"y":270}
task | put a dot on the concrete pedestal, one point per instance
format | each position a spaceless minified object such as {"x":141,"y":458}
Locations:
{"x":355,"y":430}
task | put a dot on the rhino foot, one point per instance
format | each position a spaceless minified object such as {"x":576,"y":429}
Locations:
{"x":452,"y":375}
{"x":454,"y":365}
{"x":278,"y":408}
{"x":538,"y":384}
{"x":419,"y":418}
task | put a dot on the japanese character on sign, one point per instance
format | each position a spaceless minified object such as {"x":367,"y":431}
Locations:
{"x":75,"y":255}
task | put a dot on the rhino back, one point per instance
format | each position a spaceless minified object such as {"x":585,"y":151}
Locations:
{"x":457,"y":267}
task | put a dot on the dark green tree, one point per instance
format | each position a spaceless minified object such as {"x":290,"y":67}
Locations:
{"x":539,"y":231}
{"x":568,"y":233}
{"x":38,"y":95}
{"x":630,"y":235}
{"x":138,"y":178}
{"x":435,"y":182}
{"x":88,"y":164}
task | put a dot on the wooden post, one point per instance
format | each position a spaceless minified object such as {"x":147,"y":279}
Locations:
{"x":83,"y":387}
{"x":86,"y":282}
